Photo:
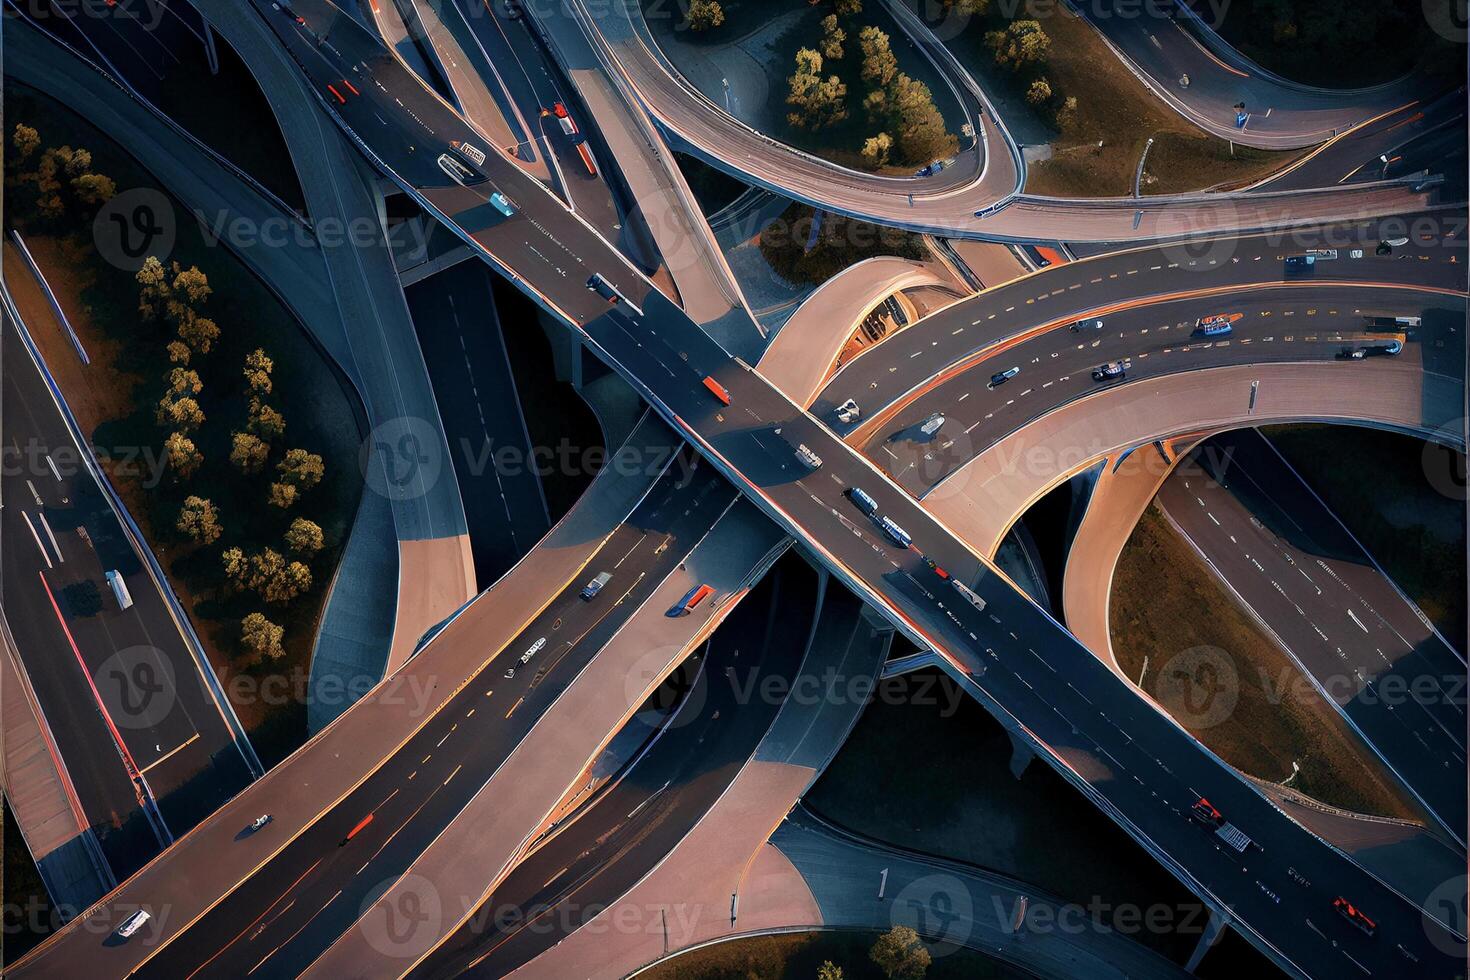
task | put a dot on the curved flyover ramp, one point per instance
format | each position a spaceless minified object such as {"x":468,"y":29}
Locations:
{"x":800,"y":359}
{"x":976,"y":199}
{"x":981,"y":499}
{"x":1165,"y":44}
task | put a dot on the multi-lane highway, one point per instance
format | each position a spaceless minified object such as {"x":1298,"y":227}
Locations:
{"x":1345,"y":624}
{"x":1097,"y":287}
{"x":144,"y":739}
{"x":628,"y":829}
{"x":1056,"y":366}
{"x":1137,"y":766}
{"x":311,"y":889}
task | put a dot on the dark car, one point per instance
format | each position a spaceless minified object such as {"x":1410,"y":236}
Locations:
{"x":1001,"y":377}
{"x":1111,"y":371}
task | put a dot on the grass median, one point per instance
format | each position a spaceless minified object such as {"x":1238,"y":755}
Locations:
{"x":1165,"y":603}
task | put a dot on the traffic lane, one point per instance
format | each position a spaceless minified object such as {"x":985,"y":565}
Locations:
{"x":1099,"y":285}
{"x":388,"y":108}
{"x":1096,"y":726}
{"x":537,"y":86}
{"x":329,"y":872}
{"x":1414,"y":734}
{"x":1265,"y":484}
{"x":459,"y":330}
{"x":676,"y":320}
{"x":148,"y":679}
{"x":1355,"y":155}
{"x":1055,"y":367}
{"x":108,"y":797}
{"x":615,"y":840}
{"x":1275,"y":478}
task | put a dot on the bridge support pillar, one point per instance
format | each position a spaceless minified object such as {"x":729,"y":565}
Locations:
{"x":1207,"y":939}
{"x":1021,"y":754}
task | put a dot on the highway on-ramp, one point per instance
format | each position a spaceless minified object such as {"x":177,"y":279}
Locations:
{"x":1135,"y":764}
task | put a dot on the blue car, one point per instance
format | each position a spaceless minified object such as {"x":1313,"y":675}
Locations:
{"x":502,"y":204}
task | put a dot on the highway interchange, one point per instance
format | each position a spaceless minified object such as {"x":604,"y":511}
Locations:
{"x":308,"y":899}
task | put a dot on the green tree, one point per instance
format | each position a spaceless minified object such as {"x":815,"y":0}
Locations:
{"x":199,"y":520}
{"x":261,"y":636}
{"x":26,"y":142}
{"x":921,"y":134}
{"x":153,"y":288}
{"x":832,"y":37}
{"x":180,"y":412}
{"x":879,"y":63}
{"x":183,"y":381}
{"x":849,"y":8}
{"x":302,"y":469}
{"x":1039,"y":93}
{"x":900,"y":954}
{"x":236,"y":567}
{"x":705,"y":14}
{"x":304,"y":537}
{"x":199,"y":332}
{"x":285,"y":581}
{"x":819,"y":102}
{"x":829,"y":971}
{"x":191,"y":285}
{"x":264,"y":566}
{"x":876,"y":150}
{"x":258,"y":368}
{"x":183,"y":458}
{"x":265,"y":421}
{"x":93,"y":188}
{"x":970,"y":8}
{"x":1067,"y":114}
{"x":248,"y":452}
{"x":1022,"y":43}
{"x":178,"y":352}
{"x":282,"y":495}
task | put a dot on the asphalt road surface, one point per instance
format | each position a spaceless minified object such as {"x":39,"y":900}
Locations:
{"x":142,"y":701}
{"x":1276,"y":325}
{"x":638,"y":820}
{"x":1137,"y":766}
{"x":311,"y":891}
{"x":1083,"y":733}
{"x":1287,"y":557}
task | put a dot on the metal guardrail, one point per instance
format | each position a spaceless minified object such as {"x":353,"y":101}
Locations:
{"x":25,"y":254}
{"x":140,"y":546}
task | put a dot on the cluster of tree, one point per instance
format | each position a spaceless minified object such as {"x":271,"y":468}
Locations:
{"x":176,"y":295}
{"x":902,"y":106}
{"x":702,"y":15}
{"x":63,"y":179}
{"x":899,"y":953}
{"x":1024,"y":48}
{"x":910,"y":125}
